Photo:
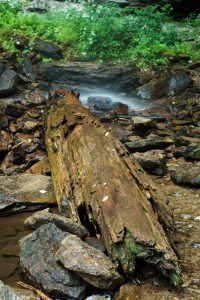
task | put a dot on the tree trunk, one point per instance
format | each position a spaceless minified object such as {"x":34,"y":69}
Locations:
{"x":99,"y":184}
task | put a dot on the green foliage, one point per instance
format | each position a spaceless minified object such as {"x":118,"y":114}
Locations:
{"x":105,"y":31}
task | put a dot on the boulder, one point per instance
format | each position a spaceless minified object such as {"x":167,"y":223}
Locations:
{"x":83,"y":75}
{"x":45,"y":217}
{"x":47,"y":49}
{"x":186,"y":175}
{"x":8,"y":81}
{"x":38,"y":264}
{"x":153,"y":161}
{"x":167,"y":85}
{"x":152,"y":142}
{"x":88,"y":262}
{"x":25,"y":190}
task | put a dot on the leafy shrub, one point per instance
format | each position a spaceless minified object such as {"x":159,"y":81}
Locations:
{"x":104,"y":31}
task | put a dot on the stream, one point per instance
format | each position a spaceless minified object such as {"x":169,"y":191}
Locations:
{"x":165,"y":135}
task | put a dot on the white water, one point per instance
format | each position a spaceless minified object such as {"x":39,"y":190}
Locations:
{"x":132,"y":101}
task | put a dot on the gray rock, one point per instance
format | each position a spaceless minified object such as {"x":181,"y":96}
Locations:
{"x":187,"y":175}
{"x":6,"y":293}
{"x":84,"y":74}
{"x":45,"y":217}
{"x":38,"y":264}
{"x":88,"y":262}
{"x":153,"y":161}
{"x":152,"y":142}
{"x":168,"y":84}
{"x":21,"y":191}
{"x":47,"y":49}
{"x":8,"y":81}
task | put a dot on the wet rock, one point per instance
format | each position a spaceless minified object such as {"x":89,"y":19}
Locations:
{"x":45,"y":217}
{"x":100,"y":103}
{"x":21,"y":191}
{"x":192,"y":152}
{"x":169,"y":84}
{"x":46,"y":49}
{"x":88,"y":262}
{"x":6,"y":293}
{"x":187,"y":175}
{"x":8,"y":81}
{"x":38,"y":264}
{"x":27,"y":69}
{"x":153,"y":161}
{"x":77,"y":74}
{"x":152,"y":142}
{"x":106,"y":104}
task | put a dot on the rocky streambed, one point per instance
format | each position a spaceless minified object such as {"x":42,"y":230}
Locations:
{"x":60,"y":257}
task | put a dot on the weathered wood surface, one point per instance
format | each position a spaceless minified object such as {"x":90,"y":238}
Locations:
{"x":94,"y":175}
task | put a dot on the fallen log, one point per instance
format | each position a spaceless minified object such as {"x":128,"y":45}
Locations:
{"x":99,"y":184}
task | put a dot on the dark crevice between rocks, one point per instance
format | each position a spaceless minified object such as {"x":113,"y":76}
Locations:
{"x":89,"y":223}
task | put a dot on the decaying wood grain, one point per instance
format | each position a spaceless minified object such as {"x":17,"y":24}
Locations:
{"x":94,"y":175}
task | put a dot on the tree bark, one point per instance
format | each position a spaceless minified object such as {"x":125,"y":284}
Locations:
{"x":98,"y":183}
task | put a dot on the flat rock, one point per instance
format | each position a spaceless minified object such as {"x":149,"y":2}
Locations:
{"x":153,"y":161}
{"x":38,"y":264}
{"x":88,"y":262}
{"x":45,"y":217}
{"x":187,"y":175}
{"x":152,"y":142}
{"x":83,"y":74}
{"x":20,"y":191}
{"x":168,"y":84}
